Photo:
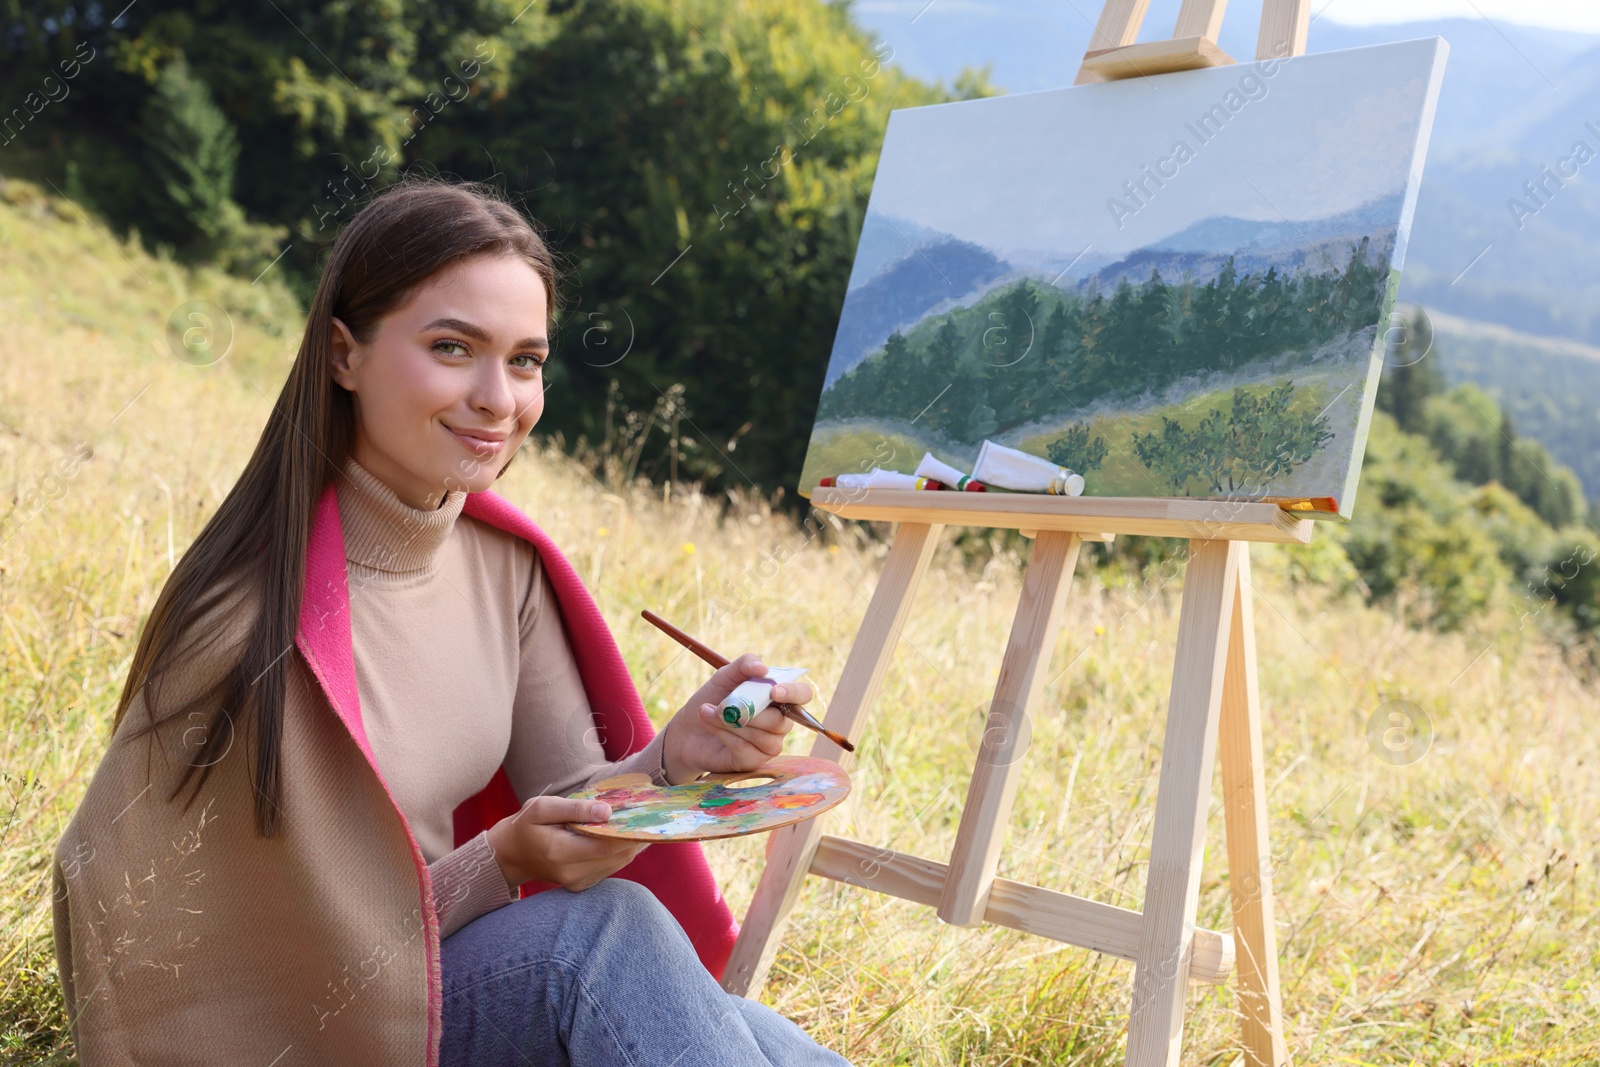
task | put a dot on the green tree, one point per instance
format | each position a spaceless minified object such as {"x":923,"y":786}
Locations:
{"x":191,"y":151}
{"x":903,"y":376}
{"x":1260,"y":437}
{"x":1075,"y":450}
{"x":946,"y":347}
{"x":1169,"y":454}
{"x":1413,"y":538}
{"x":1265,"y":438}
{"x":1411,"y":369}
{"x":1574,"y":575}
{"x":1479,"y":441}
{"x":980,"y":421}
{"x":1014,"y":350}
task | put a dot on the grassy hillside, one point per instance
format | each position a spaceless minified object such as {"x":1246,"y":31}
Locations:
{"x":1439,"y":913}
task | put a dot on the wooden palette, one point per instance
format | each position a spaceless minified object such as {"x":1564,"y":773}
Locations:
{"x":784,"y":790}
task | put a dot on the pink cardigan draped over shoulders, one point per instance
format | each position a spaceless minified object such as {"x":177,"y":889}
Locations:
{"x":677,"y":873}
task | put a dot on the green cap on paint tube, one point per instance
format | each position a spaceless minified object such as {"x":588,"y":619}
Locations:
{"x":754,"y":695}
{"x":738,"y":712}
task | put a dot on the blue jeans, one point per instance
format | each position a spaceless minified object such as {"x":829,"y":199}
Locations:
{"x":605,"y":977}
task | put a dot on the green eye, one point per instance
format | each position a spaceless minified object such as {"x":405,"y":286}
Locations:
{"x":440,"y":346}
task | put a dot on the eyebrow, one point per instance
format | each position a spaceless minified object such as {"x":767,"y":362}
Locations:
{"x":477,"y":333}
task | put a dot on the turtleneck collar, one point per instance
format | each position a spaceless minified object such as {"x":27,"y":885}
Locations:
{"x":384,"y":537}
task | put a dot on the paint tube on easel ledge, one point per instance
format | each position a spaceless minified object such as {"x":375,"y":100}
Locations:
{"x":754,"y":695}
{"x":1023,"y":472}
{"x":878,"y":478}
{"x":941,"y":471}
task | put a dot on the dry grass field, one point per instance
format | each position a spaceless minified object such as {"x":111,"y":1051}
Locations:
{"x":1441,"y":912}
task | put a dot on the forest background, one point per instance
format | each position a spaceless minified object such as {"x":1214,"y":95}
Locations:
{"x":704,"y":180}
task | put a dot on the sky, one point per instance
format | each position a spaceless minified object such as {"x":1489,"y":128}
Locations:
{"x":1580,"y":15}
{"x":1318,"y":138}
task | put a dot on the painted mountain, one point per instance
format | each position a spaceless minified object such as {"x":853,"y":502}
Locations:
{"x":1196,"y":306}
{"x":1201,"y":250}
{"x":934,"y":273}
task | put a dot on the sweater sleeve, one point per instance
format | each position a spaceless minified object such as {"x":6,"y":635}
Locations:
{"x":555,"y":745}
{"x":468,"y":883}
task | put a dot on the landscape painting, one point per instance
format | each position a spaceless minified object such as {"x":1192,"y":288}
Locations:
{"x":1176,"y":285}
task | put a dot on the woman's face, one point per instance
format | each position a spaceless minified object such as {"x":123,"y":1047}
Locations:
{"x":450,"y":384}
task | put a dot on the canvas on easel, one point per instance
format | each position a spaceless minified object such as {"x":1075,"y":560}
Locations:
{"x":1173,"y":286}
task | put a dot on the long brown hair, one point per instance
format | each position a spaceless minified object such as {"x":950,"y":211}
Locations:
{"x":258,"y":537}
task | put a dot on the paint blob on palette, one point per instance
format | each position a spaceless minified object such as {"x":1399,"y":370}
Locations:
{"x":784,"y":790}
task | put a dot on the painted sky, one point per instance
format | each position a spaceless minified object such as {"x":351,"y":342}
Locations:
{"x":1322,"y":134}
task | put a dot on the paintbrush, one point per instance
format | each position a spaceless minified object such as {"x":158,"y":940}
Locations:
{"x":717,"y":659}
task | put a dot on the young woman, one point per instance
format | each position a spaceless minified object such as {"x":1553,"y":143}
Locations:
{"x":377,"y":681}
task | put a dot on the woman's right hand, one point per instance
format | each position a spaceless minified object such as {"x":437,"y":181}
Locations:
{"x":535,"y":843}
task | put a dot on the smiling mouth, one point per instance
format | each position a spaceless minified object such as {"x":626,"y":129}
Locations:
{"x":482,"y":446}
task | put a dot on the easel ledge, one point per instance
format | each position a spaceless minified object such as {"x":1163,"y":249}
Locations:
{"x":1091,"y":518}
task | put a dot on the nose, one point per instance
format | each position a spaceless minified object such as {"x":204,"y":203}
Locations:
{"x":492,"y":393}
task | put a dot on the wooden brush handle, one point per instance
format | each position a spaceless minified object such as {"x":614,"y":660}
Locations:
{"x":717,"y":659}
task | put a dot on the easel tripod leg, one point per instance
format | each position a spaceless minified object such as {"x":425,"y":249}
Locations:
{"x":794,"y":846}
{"x":1249,"y":867}
{"x":1172,"y":889}
{"x":1007,"y":730}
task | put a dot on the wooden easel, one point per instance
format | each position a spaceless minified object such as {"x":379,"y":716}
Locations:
{"x":1213,"y":702}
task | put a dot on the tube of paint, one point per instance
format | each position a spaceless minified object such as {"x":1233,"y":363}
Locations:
{"x":943,"y":472}
{"x":878,"y":478}
{"x":754,"y":695}
{"x":1024,"y":472}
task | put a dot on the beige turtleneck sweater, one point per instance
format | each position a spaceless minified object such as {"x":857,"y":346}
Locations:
{"x":462,"y":665}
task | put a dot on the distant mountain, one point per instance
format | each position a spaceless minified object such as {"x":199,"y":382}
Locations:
{"x":1319,"y":257}
{"x":1201,"y":250}
{"x":886,"y":240}
{"x":1223,"y":233}
{"x":1515,"y":99}
{"x":903,"y":293}
{"x":1062,"y":266}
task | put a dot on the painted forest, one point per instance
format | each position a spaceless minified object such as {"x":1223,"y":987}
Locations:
{"x":1030,"y":353}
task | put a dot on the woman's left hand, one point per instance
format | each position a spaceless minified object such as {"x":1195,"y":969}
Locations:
{"x":698,"y":740}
